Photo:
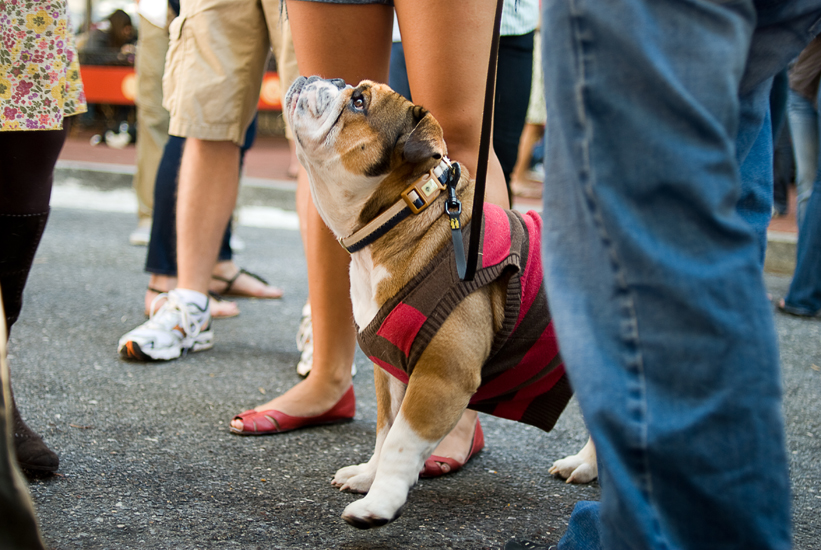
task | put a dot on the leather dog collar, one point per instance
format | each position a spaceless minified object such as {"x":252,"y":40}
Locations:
{"x":413,"y":200}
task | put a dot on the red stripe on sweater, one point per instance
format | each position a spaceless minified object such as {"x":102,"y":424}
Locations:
{"x":537,"y":358}
{"x":397,"y":373}
{"x":532,"y":276}
{"x":515,"y":408}
{"x":496,"y":245}
{"x":401,"y":325}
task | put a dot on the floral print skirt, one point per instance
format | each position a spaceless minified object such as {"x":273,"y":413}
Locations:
{"x":39,"y":69}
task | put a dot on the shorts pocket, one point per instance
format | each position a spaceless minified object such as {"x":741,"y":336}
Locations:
{"x":173,"y":63}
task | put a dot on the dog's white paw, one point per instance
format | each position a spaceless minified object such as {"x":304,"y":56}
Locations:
{"x":357,"y":479}
{"x":575,"y":469}
{"x":370,"y":512}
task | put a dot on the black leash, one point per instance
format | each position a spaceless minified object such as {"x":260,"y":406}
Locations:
{"x":484,"y":152}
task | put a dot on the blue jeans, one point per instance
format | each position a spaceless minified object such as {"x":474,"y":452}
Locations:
{"x":653,"y":273}
{"x":804,"y":296}
{"x":161,"y":258}
{"x":805,"y":131}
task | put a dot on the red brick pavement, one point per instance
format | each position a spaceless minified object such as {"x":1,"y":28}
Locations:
{"x":267,"y":159}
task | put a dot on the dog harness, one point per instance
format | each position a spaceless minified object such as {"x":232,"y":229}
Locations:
{"x":524,"y":378}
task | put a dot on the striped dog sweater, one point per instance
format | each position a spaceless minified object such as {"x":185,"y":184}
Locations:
{"x":524,"y":378}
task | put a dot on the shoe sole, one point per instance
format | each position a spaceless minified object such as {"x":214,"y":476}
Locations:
{"x":303,"y":427}
{"x":132,"y":351}
{"x":39,"y":469}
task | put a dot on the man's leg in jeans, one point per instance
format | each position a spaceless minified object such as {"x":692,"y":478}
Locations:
{"x":754,"y":153}
{"x":654,"y":278}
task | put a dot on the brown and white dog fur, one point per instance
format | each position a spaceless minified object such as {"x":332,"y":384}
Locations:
{"x":361,"y":147}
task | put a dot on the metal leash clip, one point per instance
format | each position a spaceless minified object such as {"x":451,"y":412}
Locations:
{"x":453,"y":208}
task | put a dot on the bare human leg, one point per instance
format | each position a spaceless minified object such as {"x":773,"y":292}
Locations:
{"x":317,"y":31}
{"x":447,"y":76}
{"x":158,"y":284}
{"x":206,"y":196}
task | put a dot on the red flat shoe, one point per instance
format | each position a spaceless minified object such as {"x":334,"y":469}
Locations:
{"x":432,"y":469}
{"x":274,"y":422}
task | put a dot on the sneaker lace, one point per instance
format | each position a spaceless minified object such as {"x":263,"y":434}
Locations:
{"x":173,"y":313}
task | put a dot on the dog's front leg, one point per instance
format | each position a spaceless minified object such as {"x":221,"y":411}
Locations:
{"x":440,"y":387}
{"x":389,"y":393}
{"x":423,"y":421}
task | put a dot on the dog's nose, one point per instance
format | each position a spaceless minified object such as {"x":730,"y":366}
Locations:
{"x":338,"y":82}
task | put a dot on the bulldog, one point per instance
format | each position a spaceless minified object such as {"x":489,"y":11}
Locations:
{"x":381,"y":180}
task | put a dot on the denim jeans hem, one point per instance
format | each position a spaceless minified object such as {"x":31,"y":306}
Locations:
{"x":798,"y":311}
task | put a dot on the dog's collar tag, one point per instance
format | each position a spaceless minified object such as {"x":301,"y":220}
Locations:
{"x":421,"y":193}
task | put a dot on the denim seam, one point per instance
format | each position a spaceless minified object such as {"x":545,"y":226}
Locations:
{"x":629,"y":331}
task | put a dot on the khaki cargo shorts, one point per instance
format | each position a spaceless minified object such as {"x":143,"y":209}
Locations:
{"x":215,"y":64}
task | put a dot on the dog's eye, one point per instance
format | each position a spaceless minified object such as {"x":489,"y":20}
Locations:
{"x":358,"y":103}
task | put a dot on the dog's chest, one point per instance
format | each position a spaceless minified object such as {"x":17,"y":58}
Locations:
{"x":365,"y":279}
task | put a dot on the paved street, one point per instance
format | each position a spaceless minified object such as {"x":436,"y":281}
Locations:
{"x":146,"y":457}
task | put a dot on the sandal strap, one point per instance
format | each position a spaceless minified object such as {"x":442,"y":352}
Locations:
{"x":230,"y":282}
{"x":216,"y":296}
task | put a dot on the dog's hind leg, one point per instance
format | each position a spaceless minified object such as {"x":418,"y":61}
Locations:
{"x":389,"y":393}
{"x":579,"y":468}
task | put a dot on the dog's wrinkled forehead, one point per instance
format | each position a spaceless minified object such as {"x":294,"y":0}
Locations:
{"x":362,"y":127}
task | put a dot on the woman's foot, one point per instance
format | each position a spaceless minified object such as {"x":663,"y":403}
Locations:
{"x":313,"y":396}
{"x":230,"y":280}
{"x":160,"y":284}
{"x":458,"y":444}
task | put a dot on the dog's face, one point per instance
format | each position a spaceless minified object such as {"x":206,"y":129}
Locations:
{"x":353,"y":141}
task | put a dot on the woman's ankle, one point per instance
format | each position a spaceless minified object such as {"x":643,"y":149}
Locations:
{"x":162,"y":283}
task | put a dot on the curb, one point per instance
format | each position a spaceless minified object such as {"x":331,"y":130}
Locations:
{"x":781,"y":246}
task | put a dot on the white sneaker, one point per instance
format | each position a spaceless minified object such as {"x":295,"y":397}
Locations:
{"x":173,"y":330}
{"x":141,"y":235}
{"x":305,"y":344}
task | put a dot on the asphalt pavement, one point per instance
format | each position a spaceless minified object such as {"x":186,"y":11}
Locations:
{"x":147,"y":460}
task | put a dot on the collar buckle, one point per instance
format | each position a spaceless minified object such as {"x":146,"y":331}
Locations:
{"x":421,"y":194}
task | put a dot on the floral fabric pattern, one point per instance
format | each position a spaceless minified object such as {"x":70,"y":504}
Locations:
{"x":39,"y":68}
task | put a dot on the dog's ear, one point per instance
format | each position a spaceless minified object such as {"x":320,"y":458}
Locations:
{"x":426,"y":140}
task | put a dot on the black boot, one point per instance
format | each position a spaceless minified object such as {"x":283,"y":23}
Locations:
{"x":32,"y":453}
{"x":20,"y":238}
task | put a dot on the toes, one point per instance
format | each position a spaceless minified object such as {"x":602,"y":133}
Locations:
{"x":360,"y":515}
{"x":565,"y":467}
{"x":583,"y":474}
{"x":358,"y":484}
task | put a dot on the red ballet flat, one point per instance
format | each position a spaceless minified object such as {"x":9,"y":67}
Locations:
{"x":433,"y":469}
{"x":273,"y":421}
